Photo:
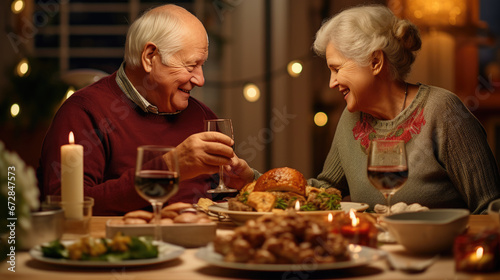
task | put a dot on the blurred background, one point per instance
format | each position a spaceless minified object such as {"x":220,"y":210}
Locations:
{"x":261,"y":71}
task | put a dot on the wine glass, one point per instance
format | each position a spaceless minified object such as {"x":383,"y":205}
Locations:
{"x":156,"y":178}
{"x":387,"y":171}
{"x":223,"y":126}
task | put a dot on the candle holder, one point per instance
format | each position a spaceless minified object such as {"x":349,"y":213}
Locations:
{"x":357,"y":228}
{"x":477,"y":252}
{"x":74,"y":227}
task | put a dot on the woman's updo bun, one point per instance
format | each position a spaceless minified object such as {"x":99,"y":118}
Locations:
{"x":358,"y":32}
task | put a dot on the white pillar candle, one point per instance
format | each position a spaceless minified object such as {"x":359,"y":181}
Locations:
{"x":72,"y":179}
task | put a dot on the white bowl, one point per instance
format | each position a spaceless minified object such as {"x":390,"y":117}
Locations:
{"x":494,"y":211}
{"x":185,"y":235}
{"x":428,"y":232}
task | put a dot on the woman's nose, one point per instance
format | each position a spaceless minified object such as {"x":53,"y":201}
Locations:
{"x":333,"y":81}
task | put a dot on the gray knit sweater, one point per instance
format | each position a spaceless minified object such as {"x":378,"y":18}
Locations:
{"x":449,"y":161}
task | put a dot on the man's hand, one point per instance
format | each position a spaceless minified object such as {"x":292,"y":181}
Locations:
{"x":238,"y":173}
{"x":203,"y":153}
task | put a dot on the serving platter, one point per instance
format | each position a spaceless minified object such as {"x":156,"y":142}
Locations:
{"x":360,"y":256}
{"x":240,"y":217}
{"x":166,"y":252}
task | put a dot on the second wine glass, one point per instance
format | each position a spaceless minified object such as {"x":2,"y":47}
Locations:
{"x":156,"y":178}
{"x":387,"y":171}
{"x":224,"y":126}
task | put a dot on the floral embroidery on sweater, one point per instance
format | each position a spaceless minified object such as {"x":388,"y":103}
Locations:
{"x":364,"y":131}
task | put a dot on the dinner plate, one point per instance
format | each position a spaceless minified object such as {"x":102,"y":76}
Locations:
{"x":360,"y":256}
{"x":240,"y":217}
{"x":166,"y":252}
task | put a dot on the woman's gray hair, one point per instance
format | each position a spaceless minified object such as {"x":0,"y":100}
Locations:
{"x":360,"y":31}
{"x":162,"y":28}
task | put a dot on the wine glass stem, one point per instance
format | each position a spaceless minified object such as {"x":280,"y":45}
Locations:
{"x":389,"y":204}
{"x":221,"y":177}
{"x":157,"y":218}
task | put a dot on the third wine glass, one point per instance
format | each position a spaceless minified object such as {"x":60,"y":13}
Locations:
{"x":223,"y":126}
{"x":387,"y":171}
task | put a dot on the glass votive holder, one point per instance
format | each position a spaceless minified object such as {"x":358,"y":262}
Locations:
{"x":77,"y":216}
{"x":477,"y":252}
{"x":356,"y":228}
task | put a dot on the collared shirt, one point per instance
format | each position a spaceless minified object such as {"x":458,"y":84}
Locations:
{"x":128,"y":88}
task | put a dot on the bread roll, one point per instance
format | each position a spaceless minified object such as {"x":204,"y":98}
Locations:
{"x":282,"y":179}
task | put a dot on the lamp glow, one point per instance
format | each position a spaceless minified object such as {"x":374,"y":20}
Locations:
{"x":14,"y":110}
{"x":294,"y":68}
{"x":251,"y":92}
{"x":17,"y":6}
{"x":320,"y":119}
{"x":23,"y":67}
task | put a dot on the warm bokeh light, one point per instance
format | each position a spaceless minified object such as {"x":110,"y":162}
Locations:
{"x":17,"y":6}
{"x":294,"y":68}
{"x":23,"y":67}
{"x":432,"y":13}
{"x":251,"y":92}
{"x":70,"y":92}
{"x":14,"y":110}
{"x":320,"y":119}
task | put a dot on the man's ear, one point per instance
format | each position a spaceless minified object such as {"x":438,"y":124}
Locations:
{"x":148,"y":53}
{"x":377,"y":62}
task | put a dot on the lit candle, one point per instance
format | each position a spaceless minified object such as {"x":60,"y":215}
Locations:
{"x":72,"y":178}
{"x":478,"y":261}
{"x":356,"y":232}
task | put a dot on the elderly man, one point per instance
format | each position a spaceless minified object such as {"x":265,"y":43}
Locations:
{"x":147,"y":101}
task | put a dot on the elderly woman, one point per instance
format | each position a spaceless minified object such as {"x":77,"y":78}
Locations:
{"x":369,"y":52}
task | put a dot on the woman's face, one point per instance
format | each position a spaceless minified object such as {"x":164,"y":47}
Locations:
{"x":353,"y":81}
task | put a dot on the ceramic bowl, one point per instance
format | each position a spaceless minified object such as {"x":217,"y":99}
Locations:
{"x":46,"y":226}
{"x":494,"y":211}
{"x":428,"y":232}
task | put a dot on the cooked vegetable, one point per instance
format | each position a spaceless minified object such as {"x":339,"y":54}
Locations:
{"x":119,"y":248}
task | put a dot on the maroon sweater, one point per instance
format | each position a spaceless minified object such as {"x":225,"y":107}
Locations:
{"x":111,"y":127}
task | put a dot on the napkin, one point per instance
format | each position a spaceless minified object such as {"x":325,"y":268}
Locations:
{"x":399,"y":208}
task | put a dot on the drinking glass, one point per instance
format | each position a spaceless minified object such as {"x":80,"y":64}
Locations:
{"x":156,"y":178}
{"x":223,"y":126}
{"x":387,"y":171}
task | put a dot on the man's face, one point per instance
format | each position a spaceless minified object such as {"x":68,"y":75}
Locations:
{"x":173,"y":82}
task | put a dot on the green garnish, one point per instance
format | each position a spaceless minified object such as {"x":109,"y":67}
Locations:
{"x":243,"y":197}
{"x":281,"y":204}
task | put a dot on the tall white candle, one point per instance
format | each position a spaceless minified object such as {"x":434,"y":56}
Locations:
{"x":72,"y":178}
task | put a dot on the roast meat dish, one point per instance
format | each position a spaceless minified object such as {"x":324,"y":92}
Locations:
{"x":281,"y":188}
{"x":284,"y":238}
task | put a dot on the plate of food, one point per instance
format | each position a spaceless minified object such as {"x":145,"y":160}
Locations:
{"x":362,"y":256}
{"x":240,"y":217}
{"x":280,"y":189}
{"x":101,"y":252}
{"x":286,"y":242}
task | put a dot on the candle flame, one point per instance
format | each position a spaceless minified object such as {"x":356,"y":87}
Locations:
{"x":297,"y":205}
{"x":479,"y":252}
{"x":330,"y":217}
{"x":71,"y":137}
{"x":354,"y":219}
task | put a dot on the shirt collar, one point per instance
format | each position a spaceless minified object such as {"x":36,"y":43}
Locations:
{"x":128,"y":88}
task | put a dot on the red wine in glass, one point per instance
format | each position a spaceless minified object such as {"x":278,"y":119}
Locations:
{"x":388,"y":179}
{"x":156,"y":185}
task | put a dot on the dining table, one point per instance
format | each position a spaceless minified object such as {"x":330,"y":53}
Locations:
{"x":188,"y":266}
